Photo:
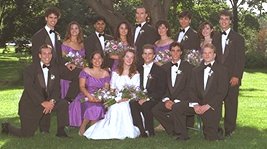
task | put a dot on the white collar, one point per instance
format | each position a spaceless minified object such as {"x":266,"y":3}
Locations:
{"x":148,"y":65}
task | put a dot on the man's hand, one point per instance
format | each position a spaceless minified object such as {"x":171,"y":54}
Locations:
{"x":169,"y":104}
{"x":141,"y":101}
{"x":234,"y":81}
{"x":48,"y":106}
{"x":71,"y":66}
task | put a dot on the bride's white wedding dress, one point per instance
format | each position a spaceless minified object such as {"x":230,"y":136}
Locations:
{"x":117,"y":123}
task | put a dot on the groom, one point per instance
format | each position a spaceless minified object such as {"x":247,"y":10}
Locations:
{"x":152,"y":80}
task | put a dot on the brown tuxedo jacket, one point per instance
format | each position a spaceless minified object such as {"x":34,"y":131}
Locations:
{"x":190,"y":40}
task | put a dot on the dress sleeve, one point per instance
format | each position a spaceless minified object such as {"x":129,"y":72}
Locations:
{"x":83,"y":74}
{"x":113,"y":79}
{"x":136,"y":80}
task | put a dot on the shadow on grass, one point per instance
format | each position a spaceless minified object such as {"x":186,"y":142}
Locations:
{"x":256,"y":70}
{"x":244,"y":137}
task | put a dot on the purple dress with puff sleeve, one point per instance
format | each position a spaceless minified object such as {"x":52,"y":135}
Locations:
{"x":87,"y":110}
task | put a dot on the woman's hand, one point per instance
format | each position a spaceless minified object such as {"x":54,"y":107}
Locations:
{"x":71,"y":66}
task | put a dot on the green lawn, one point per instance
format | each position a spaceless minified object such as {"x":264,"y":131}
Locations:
{"x":251,"y":132}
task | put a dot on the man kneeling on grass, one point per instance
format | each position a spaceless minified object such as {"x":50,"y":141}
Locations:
{"x":40,"y":98}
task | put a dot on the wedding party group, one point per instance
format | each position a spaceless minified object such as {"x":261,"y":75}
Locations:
{"x":115,"y":87}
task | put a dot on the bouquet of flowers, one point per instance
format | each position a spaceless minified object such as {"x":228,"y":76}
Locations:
{"x":163,"y":57}
{"x":194,"y":57}
{"x":76,"y":59}
{"x":115,"y":47}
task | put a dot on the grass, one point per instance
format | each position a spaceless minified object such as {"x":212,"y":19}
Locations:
{"x":251,"y":131}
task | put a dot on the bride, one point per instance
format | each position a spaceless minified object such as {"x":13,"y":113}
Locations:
{"x":118,"y":123}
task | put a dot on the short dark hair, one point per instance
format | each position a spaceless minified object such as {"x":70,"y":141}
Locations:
{"x":90,"y":65}
{"x":45,"y":46}
{"x":185,"y":13}
{"x":99,"y":18}
{"x":211,"y":46}
{"x":141,"y":6}
{"x":149,"y":46}
{"x":166,"y":24}
{"x":176,"y":44}
{"x":226,"y":13}
{"x":52,"y":10}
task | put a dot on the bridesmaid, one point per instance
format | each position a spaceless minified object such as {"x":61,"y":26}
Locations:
{"x":205,"y":32}
{"x":165,"y":40}
{"x":72,"y":45}
{"x":91,"y":79}
{"x":122,"y":34}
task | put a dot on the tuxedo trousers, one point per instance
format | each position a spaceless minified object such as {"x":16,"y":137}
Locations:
{"x":29,"y":124}
{"x":146,"y":110}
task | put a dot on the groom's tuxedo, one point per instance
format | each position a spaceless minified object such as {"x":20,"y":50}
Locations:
{"x":35,"y":92}
{"x":180,"y":91}
{"x":155,"y":88}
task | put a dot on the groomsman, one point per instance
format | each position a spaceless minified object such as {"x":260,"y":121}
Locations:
{"x":40,"y":96}
{"x":208,"y":88}
{"x":96,"y":41}
{"x":152,"y":81}
{"x":178,"y":81}
{"x":187,"y":36}
{"x":48,"y":35}
{"x":143,"y":32}
{"x":231,"y":53}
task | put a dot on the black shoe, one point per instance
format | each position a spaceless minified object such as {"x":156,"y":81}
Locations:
{"x":5,"y":129}
{"x":143,"y":135}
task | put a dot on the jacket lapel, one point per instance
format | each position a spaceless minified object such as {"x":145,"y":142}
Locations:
{"x":141,"y":71}
{"x":209,"y":81}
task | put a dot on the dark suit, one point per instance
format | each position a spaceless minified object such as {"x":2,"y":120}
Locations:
{"x":92,"y":43}
{"x":234,"y":60}
{"x":41,"y":37}
{"x":147,"y":35}
{"x":35,"y":92}
{"x":155,"y":90}
{"x":213,"y":95}
{"x":179,"y":91}
{"x":190,"y":40}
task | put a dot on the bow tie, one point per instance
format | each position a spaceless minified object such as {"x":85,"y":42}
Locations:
{"x":175,"y":64}
{"x":208,"y":65}
{"x":52,"y":31}
{"x":99,"y":35}
{"x":182,"y":30}
{"x":223,"y":32}
{"x":45,"y":66}
{"x":137,"y":25}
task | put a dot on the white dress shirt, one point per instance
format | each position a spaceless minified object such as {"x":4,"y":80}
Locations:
{"x":102,"y":40}
{"x":181,"y":34}
{"x":174,"y":72}
{"x":137,"y":30}
{"x":224,"y":39}
{"x":45,"y":73}
{"x":207,"y":73}
{"x":147,"y":69}
{"x":52,"y":36}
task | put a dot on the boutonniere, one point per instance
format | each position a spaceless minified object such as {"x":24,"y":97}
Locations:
{"x":149,"y":76}
{"x":58,"y":36}
{"x":210,"y":73}
{"x":179,"y":71}
{"x":141,"y":32}
{"x":228,"y":41}
{"x":52,"y":77}
{"x":185,"y":37}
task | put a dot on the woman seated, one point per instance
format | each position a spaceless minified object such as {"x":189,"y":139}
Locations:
{"x":118,"y":123}
{"x":86,"y":108}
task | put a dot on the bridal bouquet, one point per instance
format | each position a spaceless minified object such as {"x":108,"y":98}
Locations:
{"x":115,"y":47}
{"x":163,"y":57}
{"x":76,"y":59}
{"x":194,"y":57}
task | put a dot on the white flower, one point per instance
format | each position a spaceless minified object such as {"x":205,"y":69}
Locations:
{"x":210,"y":73}
{"x":227,"y":42}
{"x":52,"y":77}
{"x":179,"y":71}
{"x":141,"y":31}
{"x":185,"y":37}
